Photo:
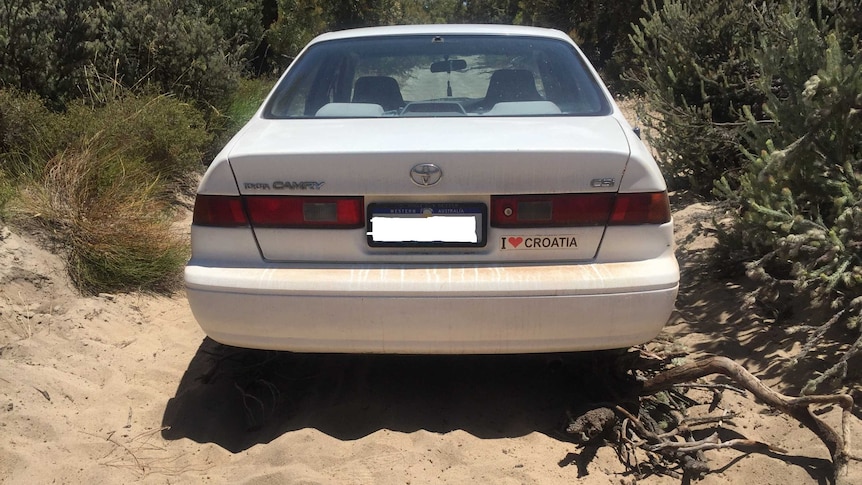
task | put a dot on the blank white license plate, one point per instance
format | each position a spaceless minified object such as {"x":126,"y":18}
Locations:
{"x":457,"y":225}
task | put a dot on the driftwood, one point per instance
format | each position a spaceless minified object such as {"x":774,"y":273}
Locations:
{"x":838,"y":444}
{"x":632,"y":432}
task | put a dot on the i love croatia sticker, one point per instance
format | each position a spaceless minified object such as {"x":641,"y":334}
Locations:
{"x":538,"y":242}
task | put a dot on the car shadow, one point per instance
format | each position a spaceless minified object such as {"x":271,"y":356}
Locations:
{"x":237,"y":398}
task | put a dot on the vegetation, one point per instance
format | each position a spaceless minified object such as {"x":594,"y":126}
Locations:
{"x":601,"y":29}
{"x":803,"y":185}
{"x":695,"y":68}
{"x":759,"y":104}
{"x":107,"y":107}
{"x":104,"y":208}
{"x":192,"y":48}
{"x":27,"y":130}
{"x":101,"y":182}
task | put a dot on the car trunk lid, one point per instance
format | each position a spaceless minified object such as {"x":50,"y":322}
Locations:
{"x":387,"y":161}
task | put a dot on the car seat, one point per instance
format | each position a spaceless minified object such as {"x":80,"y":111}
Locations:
{"x":382,"y":90}
{"x":509,"y":85}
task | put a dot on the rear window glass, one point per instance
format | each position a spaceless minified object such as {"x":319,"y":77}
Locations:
{"x":438,"y":76}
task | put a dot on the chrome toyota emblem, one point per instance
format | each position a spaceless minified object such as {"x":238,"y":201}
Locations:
{"x":425,"y":174}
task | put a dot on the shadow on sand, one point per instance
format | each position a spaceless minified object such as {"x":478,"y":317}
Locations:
{"x":237,"y":398}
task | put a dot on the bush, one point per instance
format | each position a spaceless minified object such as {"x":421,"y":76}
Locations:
{"x":193,"y":48}
{"x":168,"y":135}
{"x":165,"y":133}
{"x":28,"y":130}
{"x":696,"y":70}
{"x":763,"y":103}
{"x":42,"y":45}
{"x":106,"y":196}
{"x":601,"y":29}
{"x":102,"y":206}
{"x":299,"y":21}
{"x":802,"y":189}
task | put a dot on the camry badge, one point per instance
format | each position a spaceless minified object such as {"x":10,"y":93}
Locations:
{"x":425,"y":174}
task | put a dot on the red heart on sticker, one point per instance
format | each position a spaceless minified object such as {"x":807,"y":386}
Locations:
{"x":516,"y":241}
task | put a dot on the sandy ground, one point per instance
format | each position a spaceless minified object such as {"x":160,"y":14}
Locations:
{"x":126,"y":388}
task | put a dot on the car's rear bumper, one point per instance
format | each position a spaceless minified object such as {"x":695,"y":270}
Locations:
{"x":435,"y":308}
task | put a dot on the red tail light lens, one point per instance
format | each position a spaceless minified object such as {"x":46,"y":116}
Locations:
{"x":306,"y":212}
{"x":571,"y":210}
{"x":558,"y":210}
{"x":219,"y":210}
{"x":641,"y":208}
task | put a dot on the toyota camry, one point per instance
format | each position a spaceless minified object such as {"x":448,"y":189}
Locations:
{"x":434,"y":189}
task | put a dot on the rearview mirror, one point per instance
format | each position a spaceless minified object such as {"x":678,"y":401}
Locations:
{"x":449,"y":66}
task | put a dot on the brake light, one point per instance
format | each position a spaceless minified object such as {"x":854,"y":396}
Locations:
{"x":219,"y":210}
{"x":569,"y":210}
{"x":306,"y":212}
{"x":557,"y":210}
{"x":641,"y":208}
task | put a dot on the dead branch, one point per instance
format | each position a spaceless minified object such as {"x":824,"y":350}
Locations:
{"x":654,"y":442}
{"x":838,"y":444}
{"x":696,"y":385}
{"x":712,"y":442}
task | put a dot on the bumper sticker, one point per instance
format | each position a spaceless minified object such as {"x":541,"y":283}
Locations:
{"x":538,"y":242}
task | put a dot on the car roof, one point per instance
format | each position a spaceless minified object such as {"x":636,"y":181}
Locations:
{"x":442,"y":29}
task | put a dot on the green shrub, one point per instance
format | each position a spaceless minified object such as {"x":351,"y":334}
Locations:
{"x":246,"y":100}
{"x":192,"y":48}
{"x":696,"y":70}
{"x":299,"y":21}
{"x":802,"y":190}
{"x":105,"y":196}
{"x":167,"y":134}
{"x":101,"y":205}
{"x":158,"y":43}
{"x":28,"y":131}
{"x":601,"y":29}
{"x":763,"y":103}
{"x":42,"y":45}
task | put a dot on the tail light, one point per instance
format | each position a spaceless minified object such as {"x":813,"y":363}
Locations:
{"x":219,"y":210}
{"x":551,"y":210}
{"x":557,"y":210}
{"x":567,"y":210}
{"x":279,"y":211}
{"x":641,"y":208}
{"x":306,"y":212}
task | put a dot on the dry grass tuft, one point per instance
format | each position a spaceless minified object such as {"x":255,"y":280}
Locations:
{"x":108,"y":212}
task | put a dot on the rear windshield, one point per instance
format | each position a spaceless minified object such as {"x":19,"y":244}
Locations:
{"x":434,"y":76}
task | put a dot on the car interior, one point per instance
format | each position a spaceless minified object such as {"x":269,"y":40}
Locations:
{"x":382,"y":90}
{"x":506,"y":86}
{"x":484,"y":79}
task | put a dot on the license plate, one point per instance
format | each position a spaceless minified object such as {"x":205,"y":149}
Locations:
{"x":427,"y":225}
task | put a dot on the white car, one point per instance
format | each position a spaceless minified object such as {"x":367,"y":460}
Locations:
{"x":434,"y":189}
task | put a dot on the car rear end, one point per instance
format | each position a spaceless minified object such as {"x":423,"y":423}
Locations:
{"x":444,"y":224}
